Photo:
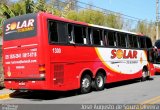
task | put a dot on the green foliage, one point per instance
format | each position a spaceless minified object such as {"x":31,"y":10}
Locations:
{"x":72,"y":15}
{"x":96,"y":17}
{"x":6,"y":11}
{"x":142,"y":27}
{"x":40,"y":6}
{"x":1,"y":23}
{"x":114,"y":21}
{"x":29,"y":6}
{"x":18,"y":9}
{"x":147,"y":29}
{"x":91,"y":16}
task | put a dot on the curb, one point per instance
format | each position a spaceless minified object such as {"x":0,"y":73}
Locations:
{"x":4,"y":96}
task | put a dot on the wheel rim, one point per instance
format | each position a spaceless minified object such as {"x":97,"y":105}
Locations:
{"x":99,"y":81}
{"x":85,"y":83}
{"x":144,"y":74}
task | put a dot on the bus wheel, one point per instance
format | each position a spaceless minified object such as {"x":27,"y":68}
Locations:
{"x":144,"y":75}
{"x":86,"y":84}
{"x":99,"y":82}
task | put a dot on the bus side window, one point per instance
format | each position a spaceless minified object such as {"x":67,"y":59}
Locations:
{"x":78,"y":33}
{"x":62,"y":33}
{"x":121,"y":40}
{"x":85,"y":40}
{"x":112,"y":39}
{"x":101,"y":37}
{"x":142,"y":42}
{"x":90,"y":36}
{"x":106,"y":38}
{"x":148,"y":42}
{"x":127,"y":41}
{"x":130,"y":42}
{"x":57,"y":32}
{"x":53,"y":33}
{"x":135,"y":41}
{"x":96,"y":37}
{"x":70,"y":34}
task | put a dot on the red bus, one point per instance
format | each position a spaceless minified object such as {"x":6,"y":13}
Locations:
{"x":45,"y":52}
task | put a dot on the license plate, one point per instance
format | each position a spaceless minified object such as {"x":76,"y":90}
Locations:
{"x":22,"y":83}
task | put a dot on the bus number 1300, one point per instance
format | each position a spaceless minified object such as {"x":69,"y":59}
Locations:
{"x":56,"y":50}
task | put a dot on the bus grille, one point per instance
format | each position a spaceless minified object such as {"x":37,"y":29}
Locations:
{"x":58,"y":74}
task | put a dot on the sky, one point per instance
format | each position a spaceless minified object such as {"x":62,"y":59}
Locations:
{"x":142,"y":9}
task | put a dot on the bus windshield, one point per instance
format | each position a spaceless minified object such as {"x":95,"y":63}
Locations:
{"x":20,"y":27}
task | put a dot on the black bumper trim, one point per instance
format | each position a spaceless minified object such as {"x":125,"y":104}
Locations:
{"x":24,"y":79}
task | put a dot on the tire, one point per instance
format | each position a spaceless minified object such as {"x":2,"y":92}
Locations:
{"x":99,"y":82}
{"x":144,"y":75}
{"x":86,"y":84}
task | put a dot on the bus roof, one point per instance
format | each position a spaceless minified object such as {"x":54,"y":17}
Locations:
{"x":87,"y":24}
{"x":113,"y":29}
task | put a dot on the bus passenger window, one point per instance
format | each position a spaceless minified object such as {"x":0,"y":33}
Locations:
{"x":142,"y":42}
{"x":53,"y":34}
{"x":57,"y":32}
{"x":130,"y":43}
{"x":101,"y":38}
{"x":105,"y":38}
{"x":62,"y":32}
{"x":78,"y":33}
{"x":70,"y":34}
{"x":112,"y":38}
{"x":121,"y":40}
{"x":133,"y":41}
{"x":90,"y":36}
{"x":85,"y":41}
{"x":148,"y":42}
{"x":96,"y":37}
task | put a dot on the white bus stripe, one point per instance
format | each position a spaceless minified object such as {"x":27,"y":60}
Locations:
{"x":10,"y":47}
{"x":21,"y":46}
{"x":29,"y":45}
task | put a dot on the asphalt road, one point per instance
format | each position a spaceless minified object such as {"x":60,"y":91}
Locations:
{"x":128,"y":92}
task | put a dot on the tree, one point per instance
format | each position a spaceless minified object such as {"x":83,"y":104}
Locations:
{"x":91,"y":16}
{"x":5,"y":11}
{"x":4,"y":2}
{"x":114,"y":21}
{"x":142,"y":27}
{"x":73,"y":4}
{"x":66,"y":9}
{"x":1,"y":23}
{"x":29,"y":6}
{"x":18,"y":9}
{"x":40,"y":6}
{"x":72,"y":15}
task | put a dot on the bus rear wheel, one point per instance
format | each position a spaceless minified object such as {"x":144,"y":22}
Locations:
{"x":86,"y":84}
{"x":99,"y":82}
